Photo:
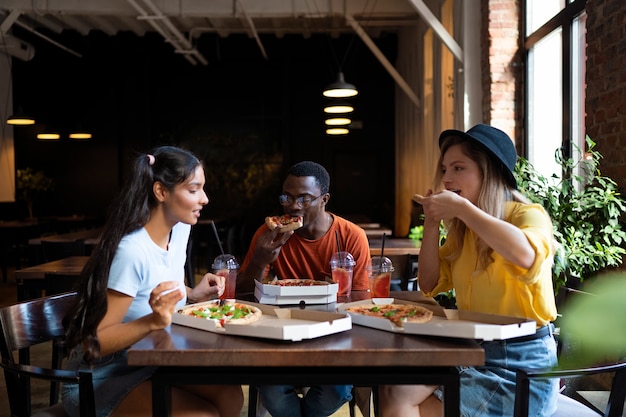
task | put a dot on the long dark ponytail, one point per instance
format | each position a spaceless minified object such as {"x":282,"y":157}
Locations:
{"x":168,"y":165}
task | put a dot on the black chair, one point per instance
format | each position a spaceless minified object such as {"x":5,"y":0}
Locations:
{"x":54,"y":250}
{"x":31,"y":323}
{"x":566,"y":406}
{"x":60,"y":283}
{"x":569,"y":348}
{"x":404,"y":276}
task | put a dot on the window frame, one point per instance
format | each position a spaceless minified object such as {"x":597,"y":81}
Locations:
{"x":565,"y":20}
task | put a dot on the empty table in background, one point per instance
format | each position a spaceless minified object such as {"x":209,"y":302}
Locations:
{"x":31,"y":281}
{"x":395,"y":246}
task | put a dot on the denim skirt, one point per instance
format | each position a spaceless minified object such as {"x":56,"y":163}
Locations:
{"x":489,"y":391}
{"x":113,"y":379}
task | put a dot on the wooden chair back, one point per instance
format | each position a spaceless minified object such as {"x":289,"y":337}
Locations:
{"x":30,"y":323}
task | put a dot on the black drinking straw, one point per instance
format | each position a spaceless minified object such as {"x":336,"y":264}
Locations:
{"x":338,"y":248}
{"x":382,"y":251}
{"x":217,"y":237}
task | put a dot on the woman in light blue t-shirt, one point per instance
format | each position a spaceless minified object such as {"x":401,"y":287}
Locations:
{"x":133,"y":283}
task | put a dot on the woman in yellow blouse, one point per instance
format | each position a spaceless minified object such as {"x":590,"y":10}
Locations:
{"x":498,"y":257}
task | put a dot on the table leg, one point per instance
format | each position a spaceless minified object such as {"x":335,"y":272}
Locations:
{"x":161,"y":395}
{"x":451,"y":396}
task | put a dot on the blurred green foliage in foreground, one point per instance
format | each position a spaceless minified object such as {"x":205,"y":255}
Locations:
{"x":594,"y":326}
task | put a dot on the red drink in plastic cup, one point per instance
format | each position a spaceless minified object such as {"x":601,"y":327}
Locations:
{"x":379,"y":285}
{"x":343,"y":277}
{"x":379,"y":274}
{"x":227,"y":267}
{"x":230,"y":276}
{"x":341,"y":267}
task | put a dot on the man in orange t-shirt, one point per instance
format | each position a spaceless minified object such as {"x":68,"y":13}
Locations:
{"x":305,"y":253}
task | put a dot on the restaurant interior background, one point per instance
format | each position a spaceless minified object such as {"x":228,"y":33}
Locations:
{"x":248,"y":119}
{"x":121,"y":93}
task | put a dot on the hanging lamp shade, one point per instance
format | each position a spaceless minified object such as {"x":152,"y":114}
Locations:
{"x":48,"y":136}
{"x":337,"y":131}
{"x":340,"y":89}
{"x":338,"y":107}
{"x":338,"y":121}
{"x":80,"y":134}
{"x":78,"y":131}
{"x":19,"y":118}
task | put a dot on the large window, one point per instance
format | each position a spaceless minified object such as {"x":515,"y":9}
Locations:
{"x":555,"y":47}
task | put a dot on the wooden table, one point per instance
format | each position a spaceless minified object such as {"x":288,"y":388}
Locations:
{"x":30,"y":281}
{"x":362,"y":356}
{"x":90,"y":236}
{"x":378,"y":232}
{"x":394,"y":246}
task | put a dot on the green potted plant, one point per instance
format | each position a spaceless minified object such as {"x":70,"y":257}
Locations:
{"x":30,"y":184}
{"x":585,"y":208}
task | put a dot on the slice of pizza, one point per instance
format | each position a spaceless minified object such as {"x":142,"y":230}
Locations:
{"x":398,"y":314}
{"x":230,"y":312}
{"x":288,"y":222}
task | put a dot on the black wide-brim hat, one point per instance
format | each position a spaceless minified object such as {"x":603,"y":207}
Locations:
{"x":497,"y":143}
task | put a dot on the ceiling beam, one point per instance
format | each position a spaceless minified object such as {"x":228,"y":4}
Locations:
{"x":384,"y":61}
{"x":439,"y":29}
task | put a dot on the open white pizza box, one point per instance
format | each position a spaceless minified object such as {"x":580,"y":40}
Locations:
{"x":448,"y":322}
{"x":276,"y":323}
{"x":323,"y":293}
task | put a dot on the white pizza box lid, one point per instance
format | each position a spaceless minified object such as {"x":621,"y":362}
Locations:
{"x":293,"y":299}
{"x":323,"y":288}
{"x":276,"y":323}
{"x":448,"y":322}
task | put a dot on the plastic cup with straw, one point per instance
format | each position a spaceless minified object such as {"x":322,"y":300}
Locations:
{"x":342,"y":267}
{"x":379,"y":274}
{"x":227,"y":266}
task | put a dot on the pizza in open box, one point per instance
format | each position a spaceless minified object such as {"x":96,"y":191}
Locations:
{"x":398,"y":314}
{"x":297,"y":282}
{"x":224,"y":311}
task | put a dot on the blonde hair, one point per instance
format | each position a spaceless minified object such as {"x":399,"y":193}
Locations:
{"x":494,"y":193}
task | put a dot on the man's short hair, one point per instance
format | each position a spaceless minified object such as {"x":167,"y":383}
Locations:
{"x":312,"y":169}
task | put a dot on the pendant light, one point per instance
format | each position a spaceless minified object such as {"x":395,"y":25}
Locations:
{"x":80,"y":134}
{"x":334,"y":131}
{"x":338,"y":121}
{"x":19,"y":118}
{"x":340,"y":88}
{"x":338,"y":107}
{"x":48,"y":136}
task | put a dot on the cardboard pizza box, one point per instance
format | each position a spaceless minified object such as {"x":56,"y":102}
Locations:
{"x":276,"y":323}
{"x":448,"y":323}
{"x":278,"y":295}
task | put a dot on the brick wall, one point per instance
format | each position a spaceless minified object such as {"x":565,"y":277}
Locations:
{"x":606,"y":84}
{"x":502,"y":83}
